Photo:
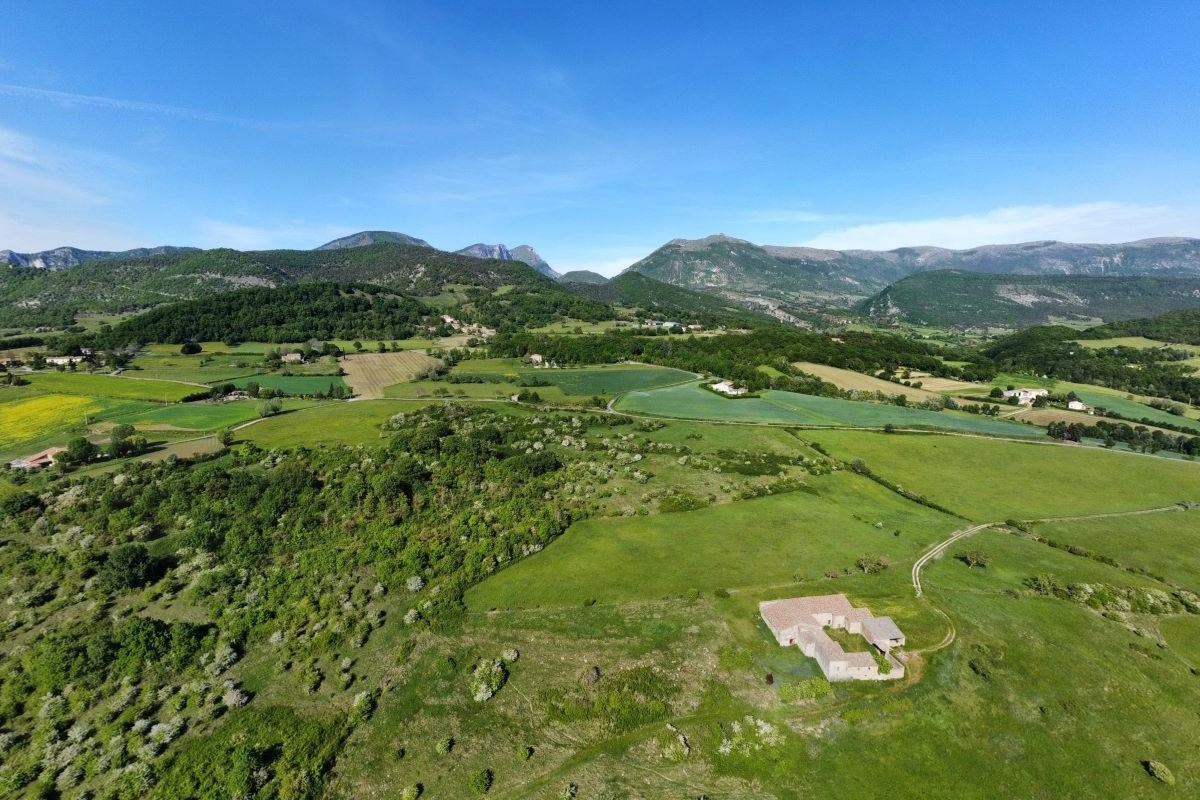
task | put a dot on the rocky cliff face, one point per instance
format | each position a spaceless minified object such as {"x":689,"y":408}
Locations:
{"x":67,"y":257}
{"x":522,"y":252}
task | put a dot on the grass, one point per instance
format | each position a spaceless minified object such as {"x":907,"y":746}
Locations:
{"x":416,"y":390}
{"x":203,"y":368}
{"x":994,"y":480}
{"x":35,"y":416}
{"x":1166,"y":545}
{"x":368,"y":374}
{"x":582,"y":382}
{"x":776,"y":539}
{"x":203,"y":416}
{"x":335,"y":423}
{"x":293,"y":384}
{"x":692,"y":402}
{"x":83,"y":383}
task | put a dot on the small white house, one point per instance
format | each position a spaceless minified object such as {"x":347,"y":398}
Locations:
{"x":292,"y":358}
{"x":1026,"y":397}
{"x":63,"y":361}
{"x":726,"y":387}
{"x":536,"y":359}
{"x":1077,"y":405}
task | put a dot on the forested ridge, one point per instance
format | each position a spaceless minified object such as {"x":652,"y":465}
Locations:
{"x":285,"y":314}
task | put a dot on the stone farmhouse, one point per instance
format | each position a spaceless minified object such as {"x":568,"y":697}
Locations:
{"x":38,"y":460}
{"x":801,"y":621}
{"x":1026,"y":397}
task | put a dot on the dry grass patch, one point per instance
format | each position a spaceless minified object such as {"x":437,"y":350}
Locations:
{"x":849,"y":379}
{"x":368,"y":373}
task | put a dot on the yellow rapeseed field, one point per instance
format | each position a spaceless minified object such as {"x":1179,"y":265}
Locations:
{"x":23,"y":420}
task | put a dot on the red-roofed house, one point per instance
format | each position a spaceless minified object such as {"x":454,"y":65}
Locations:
{"x":801,"y":621}
{"x":38,"y":460}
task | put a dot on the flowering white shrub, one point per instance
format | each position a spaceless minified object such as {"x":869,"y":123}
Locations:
{"x":415,"y":584}
{"x":487,"y":678}
{"x":748,"y":736}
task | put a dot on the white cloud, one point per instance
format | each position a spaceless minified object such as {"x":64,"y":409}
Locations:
{"x":1100,"y":222}
{"x":290,"y":234}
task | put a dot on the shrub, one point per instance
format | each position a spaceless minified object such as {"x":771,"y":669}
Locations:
{"x":445,"y":745}
{"x":411,"y":792}
{"x":1159,"y":771}
{"x":811,"y":689}
{"x":481,"y":782}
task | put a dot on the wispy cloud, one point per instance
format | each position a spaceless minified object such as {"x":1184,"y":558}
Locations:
{"x":1084,"y":222}
{"x":68,"y":99}
{"x":44,"y":203}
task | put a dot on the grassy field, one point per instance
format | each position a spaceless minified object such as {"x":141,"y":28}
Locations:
{"x":193,"y":369}
{"x":203,"y":416}
{"x":848,"y":379}
{"x":369,"y":373}
{"x":293,"y":384}
{"x":30,"y":418}
{"x":418,"y":390}
{"x":788,"y":408}
{"x":1166,"y":545}
{"x":334,"y":423}
{"x":778,"y":540}
{"x":995,"y":480}
{"x":1138,"y":342}
{"x":583,"y":382}
{"x":82,"y":383}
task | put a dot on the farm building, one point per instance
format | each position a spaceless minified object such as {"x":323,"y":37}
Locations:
{"x":1026,"y":397}
{"x":38,"y":460}
{"x":63,"y":361}
{"x":727,"y":387}
{"x":801,"y":621}
{"x":292,"y":358}
{"x":536,"y":359}
{"x":1077,"y":405}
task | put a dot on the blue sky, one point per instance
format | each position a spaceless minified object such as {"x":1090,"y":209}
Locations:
{"x":597,"y":131}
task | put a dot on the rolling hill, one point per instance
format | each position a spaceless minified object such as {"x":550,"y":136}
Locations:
{"x":364,"y":238}
{"x":633,"y":290}
{"x":953,"y":298}
{"x":1179,"y":327}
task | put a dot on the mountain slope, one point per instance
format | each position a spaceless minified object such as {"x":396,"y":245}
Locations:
{"x":522,"y":252}
{"x":364,"y":238}
{"x":1180,"y":327}
{"x":722,"y":263}
{"x":67,"y":257}
{"x":952,"y":298}
{"x":633,"y":290}
{"x":39,"y":297}
{"x":582,"y":276}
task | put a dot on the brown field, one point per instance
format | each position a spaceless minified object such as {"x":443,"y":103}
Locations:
{"x":1044,"y":416}
{"x":848,"y":379}
{"x":946,"y":385}
{"x":368,"y":373}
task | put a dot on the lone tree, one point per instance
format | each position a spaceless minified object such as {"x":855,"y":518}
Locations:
{"x":190,"y":348}
{"x":974,"y":558}
{"x":871,"y":563}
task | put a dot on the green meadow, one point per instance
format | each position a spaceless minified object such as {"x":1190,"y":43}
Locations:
{"x":293,"y":384}
{"x":338,"y":422}
{"x":989,"y":480}
{"x":83,"y":383}
{"x":773,"y":541}
{"x":205,"y":416}
{"x":690,"y":401}
{"x":584,"y":382}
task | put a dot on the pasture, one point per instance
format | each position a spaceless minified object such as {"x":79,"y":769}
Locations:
{"x":116,"y":386}
{"x":689,"y":401}
{"x":204,"y":416}
{"x":1166,"y":545}
{"x":779,"y":541}
{"x":991,"y":480}
{"x":604,"y":379}
{"x":339,"y":422}
{"x":293,"y":384}
{"x":368,"y":374}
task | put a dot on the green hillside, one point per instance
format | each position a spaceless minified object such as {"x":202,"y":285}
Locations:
{"x":951,"y":298}
{"x":1180,"y":327}
{"x":634,"y":290}
{"x":31,"y":297}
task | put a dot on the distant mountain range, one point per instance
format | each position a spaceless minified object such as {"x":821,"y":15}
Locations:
{"x":725,"y":264}
{"x":522,"y":252}
{"x":67,"y":257}
{"x":959,"y":299}
{"x":364,"y":238}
